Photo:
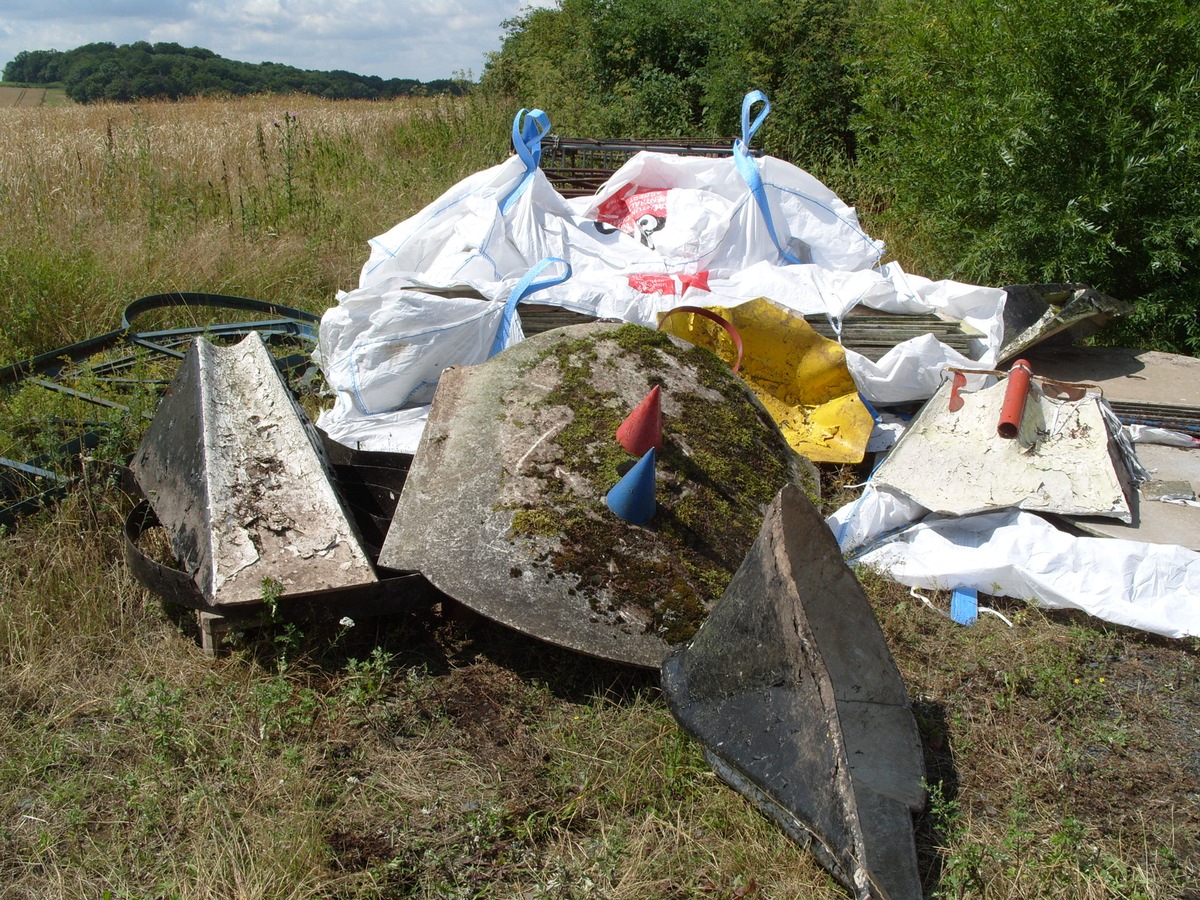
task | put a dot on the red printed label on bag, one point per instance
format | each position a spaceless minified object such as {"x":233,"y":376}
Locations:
{"x":638,"y":213}
{"x":668,"y":285}
{"x":653,"y":284}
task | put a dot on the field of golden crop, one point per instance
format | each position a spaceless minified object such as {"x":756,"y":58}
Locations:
{"x":27,"y":97}
{"x":259,"y":197}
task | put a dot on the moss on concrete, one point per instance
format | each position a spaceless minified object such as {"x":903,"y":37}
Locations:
{"x":723,"y":460}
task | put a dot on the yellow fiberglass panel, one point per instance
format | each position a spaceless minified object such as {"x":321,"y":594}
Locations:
{"x":800,"y":376}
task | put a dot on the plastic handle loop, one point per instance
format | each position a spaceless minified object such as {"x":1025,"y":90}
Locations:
{"x":1015,"y":395}
{"x":712,"y":316}
{"x":749,"y":129}
{"x":528,"y":128}
{"x":524,"y":288}
{"x":527,"y":136}
{"x":748,"y":168}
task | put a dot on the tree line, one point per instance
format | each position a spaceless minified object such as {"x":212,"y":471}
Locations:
{"x":168,"y":71}
{"x":995,"y":142}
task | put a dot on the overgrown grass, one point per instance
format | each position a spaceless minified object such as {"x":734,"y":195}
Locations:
{"x":263,"y":197}
{"x":423,"y":755}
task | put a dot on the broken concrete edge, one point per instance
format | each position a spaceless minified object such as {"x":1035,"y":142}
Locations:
{"x":792,"y":691}
{"x":1065,"y":456}
{"x":1035,"y":313}
{"x":392,"y":592}
{"x":240,"y":482}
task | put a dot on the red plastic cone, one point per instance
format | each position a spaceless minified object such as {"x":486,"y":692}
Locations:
{"x":642,"y":428}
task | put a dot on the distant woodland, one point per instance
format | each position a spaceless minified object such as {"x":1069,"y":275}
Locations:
{"x":167,"y":71}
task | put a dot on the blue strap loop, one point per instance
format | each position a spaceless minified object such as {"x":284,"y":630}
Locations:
{"x":524,"y":288}
{"x":528,"y":128}
{"x":748,"y":168}
{"x":750,"y":129}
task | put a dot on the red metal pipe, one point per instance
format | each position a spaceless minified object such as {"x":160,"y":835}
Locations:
{"x":1015,"y":395}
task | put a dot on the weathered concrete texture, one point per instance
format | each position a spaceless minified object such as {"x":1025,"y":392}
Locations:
{"x":490,"y":462}
{"x":1062,"y":461}
{"x":1151,"y":387}
{"x":236,"y":479}
{"x":790,"y":686}
{"x":1156,"y":521}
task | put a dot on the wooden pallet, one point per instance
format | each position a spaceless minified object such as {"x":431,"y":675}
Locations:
{"x":870,"y":333}
{"x":578,"y":167}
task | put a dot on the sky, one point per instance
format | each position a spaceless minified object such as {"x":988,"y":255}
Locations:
{"x":422,"y":39}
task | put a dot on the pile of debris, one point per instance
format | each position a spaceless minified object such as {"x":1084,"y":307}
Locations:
{"x":635,"y":479}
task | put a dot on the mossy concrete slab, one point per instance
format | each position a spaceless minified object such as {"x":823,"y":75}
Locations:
{"x":504,"y":506}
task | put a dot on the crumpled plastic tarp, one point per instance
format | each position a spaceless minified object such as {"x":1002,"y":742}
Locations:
{"x":664,"y":231}
{"x":1019,"y":554}
{"x":1012,"y":553}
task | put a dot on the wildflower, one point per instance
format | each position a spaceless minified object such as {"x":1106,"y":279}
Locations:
{"x":346,"y":622}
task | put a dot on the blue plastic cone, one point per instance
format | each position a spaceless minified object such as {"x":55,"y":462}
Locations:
{"x":632,"y":498}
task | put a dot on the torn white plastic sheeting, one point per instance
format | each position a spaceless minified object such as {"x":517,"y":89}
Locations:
{"x":658,"y":213}
{"x":1153,"y":587}
{"x":809,"y":289}
{"x":1151,"y":434}
{"x":909,"y":372}
{"x":913,"y":370}
{"x":954,"y":462}
{"x":873,"y":515}
{"x":663,"y":231}
{"x":700,"y":213}
{"x":384,"y":347}
{"x":492,"y":225}
{"x":394,"y":432}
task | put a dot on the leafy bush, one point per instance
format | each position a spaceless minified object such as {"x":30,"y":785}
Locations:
{"x":992,"y":142}
{"x":1042,"y":141}
{"x":639,"y":68}
{"x":546,"y":62}
{"x":801,"y":54}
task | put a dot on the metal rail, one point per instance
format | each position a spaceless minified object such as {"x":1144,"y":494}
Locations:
{"x":77,"y":369}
